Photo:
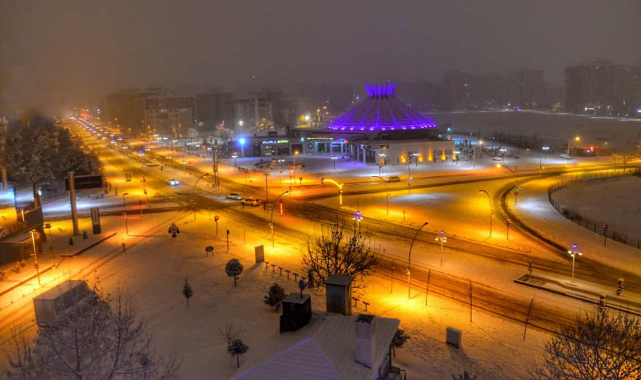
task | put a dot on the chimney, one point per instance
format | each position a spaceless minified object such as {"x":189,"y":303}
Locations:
{"x":364,"y":327}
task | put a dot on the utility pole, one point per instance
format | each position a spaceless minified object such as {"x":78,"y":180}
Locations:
{"x":72,"y":199}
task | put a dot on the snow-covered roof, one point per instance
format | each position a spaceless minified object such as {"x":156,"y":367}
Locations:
{"x":328,"y":355}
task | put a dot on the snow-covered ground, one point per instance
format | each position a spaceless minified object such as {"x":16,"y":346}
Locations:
{"x":614,"y":201}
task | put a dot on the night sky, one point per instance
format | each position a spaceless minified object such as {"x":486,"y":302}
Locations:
{"x":54,"y":53}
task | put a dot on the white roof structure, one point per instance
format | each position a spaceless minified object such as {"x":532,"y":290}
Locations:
{"x":328,"y":355}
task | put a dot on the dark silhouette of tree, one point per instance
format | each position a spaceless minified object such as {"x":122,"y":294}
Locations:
{"x":233,"y":269}
{"x":102,"y":337}
{"x":275,"y":296}
{"x":187,"y":291}
{"x":400,"y":337}
{"x":237,"y":348}
{"x":464,"y":376}
{"x":338,"y":250}
{"x":598,"y":345}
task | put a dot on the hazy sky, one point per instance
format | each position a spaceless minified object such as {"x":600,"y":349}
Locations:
{"x":54,"y":52}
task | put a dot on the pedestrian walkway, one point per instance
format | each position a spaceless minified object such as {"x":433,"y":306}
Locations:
{"x":585,"y":291}
{"x":535,"y":211}
{"x":54,"y":250}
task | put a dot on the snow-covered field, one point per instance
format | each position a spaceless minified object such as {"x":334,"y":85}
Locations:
{"x":154,"y":273}
{"x":614,"y":201}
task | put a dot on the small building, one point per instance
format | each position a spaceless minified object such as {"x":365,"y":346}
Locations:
{"x":343,"y":348}
{"x":58,"y":300}
{"x":297,"y":311}
{"x":339,"y":294}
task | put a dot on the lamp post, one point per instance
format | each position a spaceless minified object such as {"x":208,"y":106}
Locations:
{"x":242,"y":142}
{"x":340,"y":189}
{"x":574,"y":251}
{"x":193,"y":191}
{"x":409,"y":261}
{"x":295,"y":154}
{"x":409,"y":178}
{"x":124,"y":210}
{"x":266,"y":190}
{"x":334,"y":158}
{"x":516,"y":189}
{"x":235,"y":157}
{"x":489,"y":200}
{"x":271,"y":224}
{"x":442,"y":239}
{"x":35,"y":254}
{"x":357,"y":220}
{"x":385,"y":183}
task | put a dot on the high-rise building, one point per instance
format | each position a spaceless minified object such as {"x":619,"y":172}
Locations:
{"x":527,"y":89}
{"x":489,"y":92}
{"x":596,"y":87}
{"x":213,"y":109}
{"x":458,"y":90}
{"x":633,"y":91}
{"x":169,"y":113}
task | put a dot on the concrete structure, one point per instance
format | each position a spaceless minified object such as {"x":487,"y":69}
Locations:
{"x":297,"y":311}
{"x":339,"y":294}
{"x":56,"y":301}
{"x":342,"y":348}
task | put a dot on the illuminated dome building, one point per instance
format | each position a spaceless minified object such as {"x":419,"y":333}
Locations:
{"x":381,"y":129}
{"x":381,"y":111}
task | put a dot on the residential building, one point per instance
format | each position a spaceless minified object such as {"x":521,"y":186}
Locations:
{"x":169,"y":113}
{"x":458,"y":90}
{"x":596,"y":87}
{"x":213,"y":109}
{"x":527,"y":89}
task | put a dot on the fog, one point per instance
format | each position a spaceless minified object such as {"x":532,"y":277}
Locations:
{"x":57,"y":53}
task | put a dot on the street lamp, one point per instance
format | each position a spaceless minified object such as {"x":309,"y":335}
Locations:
{"x":357,"y":219}
{"x":340,"y":189}
{"x":385,"y":183}
{"x":489,"y":199}
{"x":573,"y":252}
{"x":35,"y":254}
{"x":271,"y":224}
{"x":266,"y":190}
{"x":193,"y":191}
{"x":334,"y":158}
{"x":441,"y":238}
{"x":242,"y":142}
{"x":516,"y":188}
{"x":409,"y":261}
{"x":235,"y":157}
{"x":124,"y":210}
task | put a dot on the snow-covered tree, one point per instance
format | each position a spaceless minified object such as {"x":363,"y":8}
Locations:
{"x":464,"y":376}
{"x":101,"y":338}
{"x":233,"y":269}
{"x":338,"y":250}
{"x":275,"y":296}
{"x":237,"y":348}
{"x":598,"y":345}
{"x":187,"y":291}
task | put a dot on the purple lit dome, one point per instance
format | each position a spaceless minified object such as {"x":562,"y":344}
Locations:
{"x":381,"y":111}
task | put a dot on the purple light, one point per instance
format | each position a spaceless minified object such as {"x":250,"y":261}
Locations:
{"x":381,"y":111}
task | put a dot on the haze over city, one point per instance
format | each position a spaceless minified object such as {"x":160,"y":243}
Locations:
{"x":55,"y":53}
{"x":332,"y":190}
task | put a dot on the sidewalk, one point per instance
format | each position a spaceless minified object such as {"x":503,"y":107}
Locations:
{"x":54,"y":250}
{"x":584,"y":291}
{"x":535,"y":211}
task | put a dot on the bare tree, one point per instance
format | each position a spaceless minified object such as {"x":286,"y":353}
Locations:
{"x":230,"y":331}
{"x":101,"y":338}
{"x":338,"y":250}
{"x":599,"y":345}
{"x":626,"y":156}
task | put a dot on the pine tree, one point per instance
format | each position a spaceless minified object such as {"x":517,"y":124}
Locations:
{"x":187,"y":291}
{"x":237,"y":348}
{"x":275,"y":296}
{"x":233,"y":269}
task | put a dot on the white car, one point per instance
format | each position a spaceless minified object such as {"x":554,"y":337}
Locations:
{"x":235,"y":196}
{"x":496,"y":158}
{"x":173,"y":182}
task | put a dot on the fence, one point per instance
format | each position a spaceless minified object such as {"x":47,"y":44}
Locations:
{"x":596,"y":226}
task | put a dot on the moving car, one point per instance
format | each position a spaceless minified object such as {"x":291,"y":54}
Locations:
{"x":235,"y":196}
{"x":393,"y":178}
{"x":496,"y":158}
{"x":173,"y":182}
{"x":251,"y":202}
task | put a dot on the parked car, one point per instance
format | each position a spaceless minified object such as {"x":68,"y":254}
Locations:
{"x":393,"y":178}
{"x":100,"y":195}
{"x":496,"y":158}
{"x":173,"y":182}
{"x":251,"y":202}
{"x":235,"y":196}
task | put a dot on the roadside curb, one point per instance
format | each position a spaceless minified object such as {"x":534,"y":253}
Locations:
{"x":89,"y":246}
{"x":26,"y":280}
